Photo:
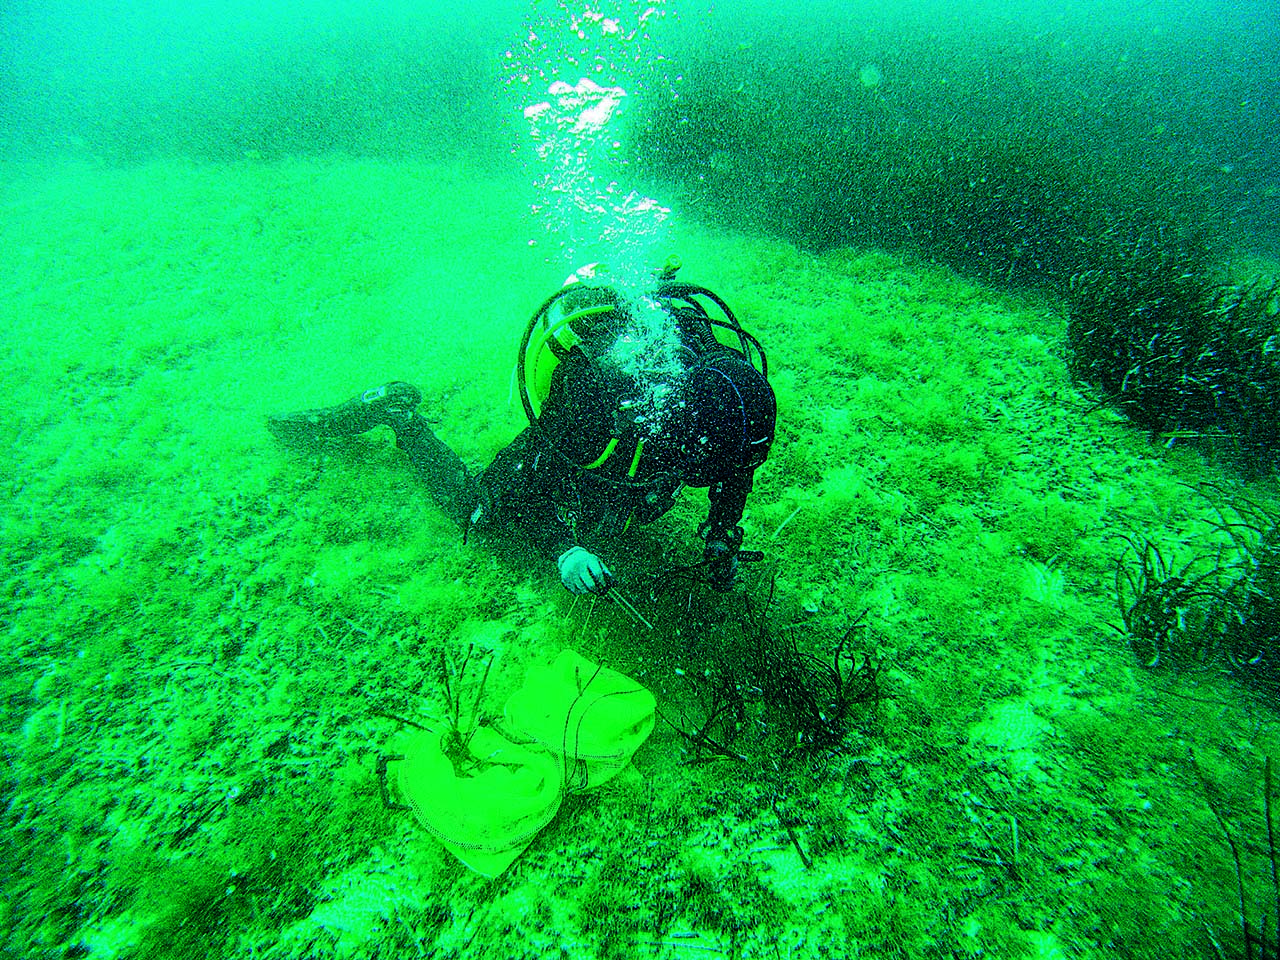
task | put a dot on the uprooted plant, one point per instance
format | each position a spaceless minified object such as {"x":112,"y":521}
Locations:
{"x":462,"y":726}
{"x":752,"y":675}
{"x":713,"y":722}
{"x":812,"y":697}
{"x":462,"y":715}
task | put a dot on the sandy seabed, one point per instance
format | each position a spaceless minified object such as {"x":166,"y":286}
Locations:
{"x":207,"y":637}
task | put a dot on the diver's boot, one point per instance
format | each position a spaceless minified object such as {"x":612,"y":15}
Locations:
{"x":391,"y":404}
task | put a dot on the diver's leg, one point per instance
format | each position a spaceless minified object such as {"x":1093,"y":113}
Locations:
{"x":446,"y":477}
{"x":391,"y":404}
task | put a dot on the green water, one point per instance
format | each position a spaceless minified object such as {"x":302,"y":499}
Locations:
{"x":208,"y":638}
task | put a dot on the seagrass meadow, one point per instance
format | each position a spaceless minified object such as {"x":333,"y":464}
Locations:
{"x":209,"y":640}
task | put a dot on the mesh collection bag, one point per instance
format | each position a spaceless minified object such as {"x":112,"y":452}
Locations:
{"x":571,"y":725}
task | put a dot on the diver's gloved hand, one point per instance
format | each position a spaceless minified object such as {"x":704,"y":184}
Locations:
{"x":581,"y":571}
{"x":722,"y":564}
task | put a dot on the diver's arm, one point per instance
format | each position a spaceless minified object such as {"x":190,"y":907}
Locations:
{"x":572,"y":429}
{"x":522,"y":485}
{"x":728,"y":498}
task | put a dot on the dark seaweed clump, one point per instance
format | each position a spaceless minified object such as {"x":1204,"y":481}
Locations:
{"x":1218,"y":609}
{"x":1178,"y":353}
{"x":756,"y":686}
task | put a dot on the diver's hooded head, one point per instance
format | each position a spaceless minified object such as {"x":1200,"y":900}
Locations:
{"x":729,"y":412}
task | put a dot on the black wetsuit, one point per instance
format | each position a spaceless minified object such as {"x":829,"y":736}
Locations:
{"x":541,"y":486}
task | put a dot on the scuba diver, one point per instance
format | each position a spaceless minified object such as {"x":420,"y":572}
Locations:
{"x":628,"y":399}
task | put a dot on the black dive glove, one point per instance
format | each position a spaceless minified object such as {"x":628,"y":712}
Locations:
{"x":721,"y":557}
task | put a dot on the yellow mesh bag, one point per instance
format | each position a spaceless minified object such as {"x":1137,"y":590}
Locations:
{"x":489,"y":814}
{"x":591,"y":717}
